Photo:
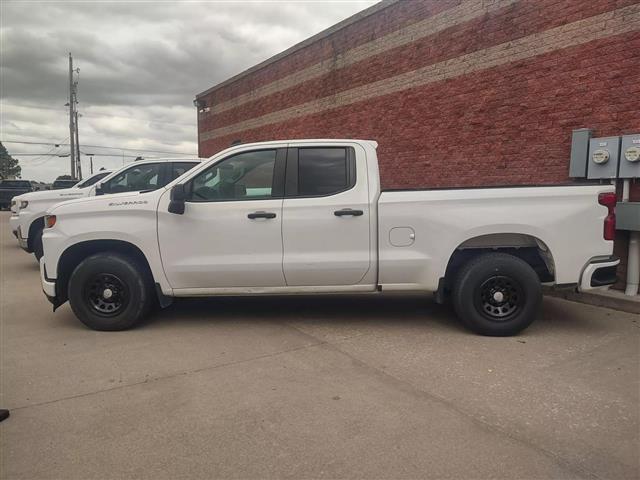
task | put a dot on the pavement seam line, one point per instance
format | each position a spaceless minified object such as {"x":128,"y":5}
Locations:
{"x":166,"y":377}
{"x":420,"y":393}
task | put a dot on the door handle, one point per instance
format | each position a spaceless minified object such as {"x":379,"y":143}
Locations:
{"x":348,"y":211}
{"x":261,"y":215}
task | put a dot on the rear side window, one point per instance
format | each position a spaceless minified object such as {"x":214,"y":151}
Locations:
{"x":324,"y":171}
{"x":16,"y":183}
{"x":179,"y":168}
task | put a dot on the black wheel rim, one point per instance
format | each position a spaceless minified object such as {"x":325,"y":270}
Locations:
{"x":106,"y":294}
{"x":499,"y":298}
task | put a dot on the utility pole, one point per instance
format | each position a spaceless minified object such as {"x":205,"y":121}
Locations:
{"x":72,"y":136}
{"x":78,"y":162}
{"x":74,"y":143}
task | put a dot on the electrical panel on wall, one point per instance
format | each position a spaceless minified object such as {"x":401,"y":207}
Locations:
{"x":579,"y":153}
{"x":630,"y":156}
{"x":603,"y":158}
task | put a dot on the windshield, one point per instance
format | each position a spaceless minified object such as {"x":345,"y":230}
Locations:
{"x":15,"y":183}
{"x":91,"y":180}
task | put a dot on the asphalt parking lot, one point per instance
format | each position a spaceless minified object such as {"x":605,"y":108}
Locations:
{"x":340,"y":387}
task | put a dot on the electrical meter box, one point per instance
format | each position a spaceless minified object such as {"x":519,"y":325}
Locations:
{"x":579,"y":153}
{"x":604,"y":154}
{"x":630,"y":156}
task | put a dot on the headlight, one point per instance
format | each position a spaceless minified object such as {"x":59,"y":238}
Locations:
{"x":49,"y":221}
{"x":23,"y":204}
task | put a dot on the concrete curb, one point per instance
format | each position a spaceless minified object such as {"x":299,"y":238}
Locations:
{"x":601,"y":298}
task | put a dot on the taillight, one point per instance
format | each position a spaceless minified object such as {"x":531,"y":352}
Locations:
{"x":609,"y":200}
{"x":49,"y":221}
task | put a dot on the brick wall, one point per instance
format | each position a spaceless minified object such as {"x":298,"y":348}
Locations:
{"x":457,"y":93}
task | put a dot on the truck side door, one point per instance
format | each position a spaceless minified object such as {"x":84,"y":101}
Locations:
{"x":325,"y":217}
{"x":229,"y":235}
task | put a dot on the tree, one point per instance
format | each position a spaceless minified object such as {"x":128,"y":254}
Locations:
{"x":8,"y":165}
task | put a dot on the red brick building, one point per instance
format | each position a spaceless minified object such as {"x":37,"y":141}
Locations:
{"x":456,"y":92}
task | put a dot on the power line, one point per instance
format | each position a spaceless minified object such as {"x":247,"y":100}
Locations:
{"x":97,"y":114}
{"x":101,"y":146}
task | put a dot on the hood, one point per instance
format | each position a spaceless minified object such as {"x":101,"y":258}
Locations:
{"x":62,"y":194}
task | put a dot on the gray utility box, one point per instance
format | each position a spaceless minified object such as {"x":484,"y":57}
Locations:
{"x":604,"y":154}
{"x":628,"y":216}
{"x":579,"y":153}
{"x":630,"y":156}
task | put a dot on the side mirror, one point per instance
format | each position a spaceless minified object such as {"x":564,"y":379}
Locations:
{"x":101,"y":189}
{"x":178,"y":196}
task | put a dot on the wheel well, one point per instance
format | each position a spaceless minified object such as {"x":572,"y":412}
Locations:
{"x":526,"y":247}
{"x":75,"y":254}
{"x":38,"y":223}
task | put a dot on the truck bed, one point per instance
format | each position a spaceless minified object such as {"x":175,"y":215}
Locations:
{"x":564,"y":219}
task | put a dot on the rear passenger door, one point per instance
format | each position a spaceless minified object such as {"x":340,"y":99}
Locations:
{"x":325,"y":217}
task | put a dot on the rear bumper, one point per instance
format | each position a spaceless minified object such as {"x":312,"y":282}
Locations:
{"x":598,"y":273}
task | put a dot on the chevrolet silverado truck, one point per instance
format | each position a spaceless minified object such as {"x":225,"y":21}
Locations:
{"x":309,"y":217}
{"x":27,"y":221}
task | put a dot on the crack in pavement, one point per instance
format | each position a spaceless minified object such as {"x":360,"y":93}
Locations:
{"x":166,"y":377}
{"x":417,"y":392}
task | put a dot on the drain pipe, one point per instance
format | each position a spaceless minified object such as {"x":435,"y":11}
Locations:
{"x":633,"y":257}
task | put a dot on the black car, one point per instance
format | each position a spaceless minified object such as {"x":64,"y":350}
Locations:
{"x":63,"y":183}
{"x":13,"y":188}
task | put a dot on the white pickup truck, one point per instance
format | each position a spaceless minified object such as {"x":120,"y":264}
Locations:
{"x":28,"y":210}
{"x":308,"y":216}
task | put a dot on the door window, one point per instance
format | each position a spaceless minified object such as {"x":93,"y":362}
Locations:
{"x":323,"y":171}
{"x":246,"y":176}
{"x":179,"y":168}
{"x":136,"y":178}
{"x":91,"y":180}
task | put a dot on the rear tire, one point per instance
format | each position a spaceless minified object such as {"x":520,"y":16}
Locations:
{"x":38,"y":250}
{"x":497,"y":294}
{"x":110,"y":292}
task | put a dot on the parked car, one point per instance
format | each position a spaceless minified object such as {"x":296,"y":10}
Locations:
{"x":28,"y":221}
{"x":12,"y":188}
{"x":63,"y":183}
{"x":309,"y":216}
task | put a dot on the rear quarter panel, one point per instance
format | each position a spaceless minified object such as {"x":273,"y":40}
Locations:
{"x":567,"y":219}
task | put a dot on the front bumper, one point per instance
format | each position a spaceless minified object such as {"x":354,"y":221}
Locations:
{"x":23,"y":242}
{"x":14,"y":222}
{"x":599,"y":273}
{"x":48,"y":285}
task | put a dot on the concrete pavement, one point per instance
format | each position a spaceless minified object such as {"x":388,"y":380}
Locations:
{"x":338,"y":387}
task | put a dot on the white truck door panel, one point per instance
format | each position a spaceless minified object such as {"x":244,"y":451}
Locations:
{"x":230,"y":234}
{"x":216,"y":245}
{"x":326,"y":235}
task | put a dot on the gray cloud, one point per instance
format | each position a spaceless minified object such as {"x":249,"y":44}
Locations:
{"x":141,"y":65}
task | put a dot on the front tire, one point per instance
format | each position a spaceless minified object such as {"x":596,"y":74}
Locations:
{"x":497,"y":294}
{"x":109,"y":292}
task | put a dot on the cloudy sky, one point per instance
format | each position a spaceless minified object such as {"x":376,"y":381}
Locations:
{"x":141,"y":64}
